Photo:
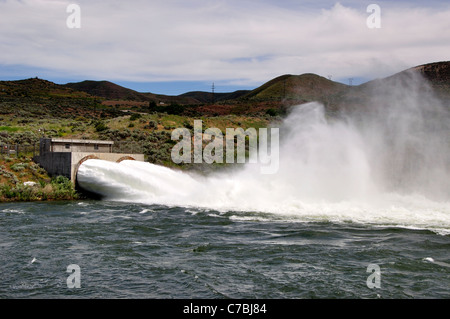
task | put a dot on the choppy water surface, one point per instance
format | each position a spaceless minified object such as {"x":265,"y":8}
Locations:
{"x":150,"y":251}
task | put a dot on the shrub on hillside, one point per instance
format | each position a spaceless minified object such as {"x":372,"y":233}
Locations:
{"x":100,"y":126}
{"x":135,"y":116}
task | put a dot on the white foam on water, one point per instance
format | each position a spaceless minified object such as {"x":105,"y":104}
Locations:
{"x":13,"y":211}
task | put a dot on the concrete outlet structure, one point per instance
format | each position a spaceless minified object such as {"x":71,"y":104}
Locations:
{"x":64,"y":156}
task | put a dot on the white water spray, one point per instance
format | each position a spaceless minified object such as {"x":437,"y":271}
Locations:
{"x":388,"y":165}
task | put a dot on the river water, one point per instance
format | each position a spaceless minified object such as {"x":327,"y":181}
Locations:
{"x":131,"y":250}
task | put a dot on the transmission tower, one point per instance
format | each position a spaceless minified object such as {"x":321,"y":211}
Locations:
{"x":212,"y":93}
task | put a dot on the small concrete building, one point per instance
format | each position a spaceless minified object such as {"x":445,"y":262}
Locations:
{"x":65,"y":145}
{"x":64,"y":156}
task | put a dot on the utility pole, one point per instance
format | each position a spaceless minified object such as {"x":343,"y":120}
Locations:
{"x":213,"y":98}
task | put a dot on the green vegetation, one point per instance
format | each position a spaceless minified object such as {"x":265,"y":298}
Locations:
{"x":173,"y":108}
{"x":100,"y":126}
{"x":23,"y":180}
{"x":9,"y":129}
{"x":56,"y":190}
{"x":272,"y":112}
{"x":135,"y":116}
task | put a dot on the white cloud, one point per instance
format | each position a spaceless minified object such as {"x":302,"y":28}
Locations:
{"x":245,"y":41}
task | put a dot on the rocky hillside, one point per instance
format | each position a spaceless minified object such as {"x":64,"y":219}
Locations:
{"x":437,"y":73}
{"x":439,"y":76}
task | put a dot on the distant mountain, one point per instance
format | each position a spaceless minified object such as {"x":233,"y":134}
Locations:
{"x":108,"y":90}
{"x":112,"y":91}
{"x":295,"y":88}
{"x":208,"y":97}
{"x":37,"y":96}
{"x":35,"y":87}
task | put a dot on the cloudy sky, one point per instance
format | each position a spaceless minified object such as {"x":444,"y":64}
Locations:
{"x":175,"y":46}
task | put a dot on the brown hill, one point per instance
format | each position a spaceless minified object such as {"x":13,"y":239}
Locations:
{"x":36,"y":98}
{"x":114,"y":92}
{"x":107,"y":90}
{"x":436,"y":73}
{"x":35,"y":87}
{"x":305,"y":87}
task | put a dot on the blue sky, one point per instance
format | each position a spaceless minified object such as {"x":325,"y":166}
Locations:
{"x":176,"y":46}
